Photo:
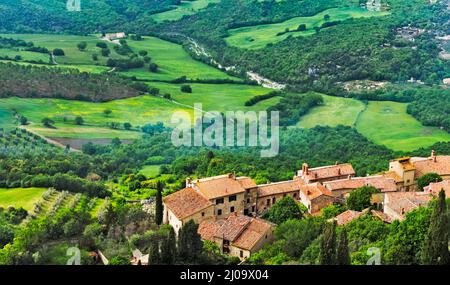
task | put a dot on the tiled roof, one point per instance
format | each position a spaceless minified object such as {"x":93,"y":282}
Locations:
{"x":314,"y":190}
{"x":347,"y":216}
{"x":242,"y":231}
{"x":255,"y":231}
{"x":233,"y":227}
{"x":207,"y":229}
{"x":186,"y":202}
{"x":393,"y":175}
{"x":404,"y":202}
{"x":437,"y":164}
{"x":246,"y":182}
{"x":435,"y":188}
{"x":382,"y":216}
{"x":279,"y":187}
{"x":330,"y":171}
{"x":380,"y":182}
{"x":219,"y":186}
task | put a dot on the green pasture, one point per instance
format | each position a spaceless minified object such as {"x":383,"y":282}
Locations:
{"x":136,"y":111}
{"x":150,"y":171}
{"x":184,"y":9}
{"x":173,"y":62}
{"x":20,"y":197}
{"x":218,"y":97}
{"x":68,"y":43}
{"x":387,"y":123}
{"x":335,"y":111}
{"x":255,"y":37}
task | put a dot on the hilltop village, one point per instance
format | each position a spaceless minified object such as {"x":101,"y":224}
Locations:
{"x":228,"y":208}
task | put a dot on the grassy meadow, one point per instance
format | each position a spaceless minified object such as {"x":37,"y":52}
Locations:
{"x":387,"y":123}
{"x":256,"y":37}
{"x":173,"y":62}
{"x":68,"y":43}
{"x":20,"y":197}
{"x":335,"y":111}
{"x":184,"y":9}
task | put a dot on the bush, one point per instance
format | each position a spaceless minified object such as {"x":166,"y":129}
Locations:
{"x":186,"y":89}
{"x":58,"y":52}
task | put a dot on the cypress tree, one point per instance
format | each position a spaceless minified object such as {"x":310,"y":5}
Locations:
{"x":343,"y":255}
{"x":159,"y":205}
{"x":154,"y":256}
{"x":328,"y":245}
{"x":168,"y":248}
{"x":435,"y":250}
{"x":190,"y":246}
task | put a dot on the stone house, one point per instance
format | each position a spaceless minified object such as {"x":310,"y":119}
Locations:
{"x":238,"y":235}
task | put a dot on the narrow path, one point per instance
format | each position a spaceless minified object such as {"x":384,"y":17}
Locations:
{"x":355,"y":123}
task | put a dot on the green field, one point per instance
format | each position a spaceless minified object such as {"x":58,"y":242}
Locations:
{"x":172,"y":59}
{"x":255,"y":37}
{"x":68,"y":43}
{"x":7,"y":120}
{"x":387,"y":123}
{"x":20,"y":197}
{"x":185,"y":8}
{"x":335,"y":111}
{"x":218,"y":97}
{"x":173,"y":62}
{"x":150,"y":171}
{"x":137,"y":111}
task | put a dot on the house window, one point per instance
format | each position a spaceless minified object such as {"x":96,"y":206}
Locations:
{"x":241,"y":254}
{"x":284,"y":195}
{"x":248,"y":200}
{"x":274,"y":200}
{"x":268,"y":202}
{"x":246,"y":212}
{"x":295,"y":195}
{"x":253,"y":208}
{"x":232,"y":198}
{"x":219,"y":201}
{"x":219,"y":212}
{"x":231,"y":209}
{"x":203,"y":214}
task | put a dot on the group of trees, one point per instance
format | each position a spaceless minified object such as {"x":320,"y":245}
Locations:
{"x":40,"y":82}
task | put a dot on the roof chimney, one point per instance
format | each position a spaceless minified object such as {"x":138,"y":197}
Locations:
{"x":305,"y":169}
{"x":349,"y":177}
{"x":433,"y":153}
{"x":339,"y":171}
{"x":337,"y":163}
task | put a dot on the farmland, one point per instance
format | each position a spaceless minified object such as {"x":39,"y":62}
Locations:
{"x":173,"y":61}
{"x":335,"y":111}
{"x":20,"y":197}
{"x":387,"y":123}
{"x":256,"y":37}
{"x":185,"y":8}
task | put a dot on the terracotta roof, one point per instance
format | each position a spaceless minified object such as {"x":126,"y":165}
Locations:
{"x":382,"y":216}
{"x":233,"y":227}
{"x":404,"y":202}
{"x":347,"y":216}
{"x":314,"y":190}
{"x":207,"y":229}
{"x":380,"y":182}
{"x":246,"y":182}
{"x":186,"y":202}
{"x":255,"y":231}
{"x":219,"y":186}
{"x":330,"y":171}
{"x":435,"y":188}
{"x":437,"y":164}
{"x":279,"y":187}
{"x":242,"y":231}
{"x":393,"y":175}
